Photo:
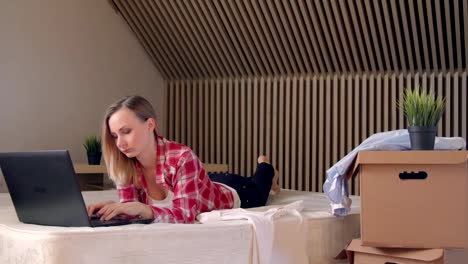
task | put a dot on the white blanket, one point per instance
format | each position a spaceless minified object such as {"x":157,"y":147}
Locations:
{"x":264,"y":223}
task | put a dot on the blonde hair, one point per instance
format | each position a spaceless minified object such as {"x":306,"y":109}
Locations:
{"x":122,"y":169}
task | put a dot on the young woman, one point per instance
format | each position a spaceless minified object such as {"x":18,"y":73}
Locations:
{"x":146,"y":167}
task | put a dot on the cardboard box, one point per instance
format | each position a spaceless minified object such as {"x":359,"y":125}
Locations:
{"x":456,"y":256}
{"x":414,"y":199}
{"x":358,"y":254}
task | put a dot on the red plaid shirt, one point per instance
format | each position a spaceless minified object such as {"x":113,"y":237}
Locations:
{"x":178,"y":169}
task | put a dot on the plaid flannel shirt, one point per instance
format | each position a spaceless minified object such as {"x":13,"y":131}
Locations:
{"x":178,"y":169}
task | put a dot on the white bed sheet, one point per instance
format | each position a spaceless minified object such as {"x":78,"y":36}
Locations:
{"x":226,"y":242}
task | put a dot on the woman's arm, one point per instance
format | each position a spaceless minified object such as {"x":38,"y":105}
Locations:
{"x":127,"y":193}
{"x":129,"y":204}
{"x":111,"y":210}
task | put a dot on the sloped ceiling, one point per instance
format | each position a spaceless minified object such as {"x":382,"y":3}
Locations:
{"x":197,"y":39}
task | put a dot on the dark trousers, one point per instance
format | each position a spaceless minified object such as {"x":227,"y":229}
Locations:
{"x":253,"y":191}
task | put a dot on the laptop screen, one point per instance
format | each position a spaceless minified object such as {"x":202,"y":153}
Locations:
{"x":44,"y":188}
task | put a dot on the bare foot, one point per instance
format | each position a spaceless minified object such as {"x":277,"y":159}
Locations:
{"x":275,"y":188}
{"x":263,"y":158}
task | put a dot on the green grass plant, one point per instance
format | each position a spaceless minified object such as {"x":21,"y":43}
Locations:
{"x":421,"y":108}
{"x":92,"y":144}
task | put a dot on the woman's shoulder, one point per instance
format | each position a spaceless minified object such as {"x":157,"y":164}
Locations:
{"x":176,"y":151}
{"x":173,"y":146}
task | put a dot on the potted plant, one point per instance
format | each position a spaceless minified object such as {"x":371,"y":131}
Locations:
{"x":93,"y":149}
{"x":422,"y":111}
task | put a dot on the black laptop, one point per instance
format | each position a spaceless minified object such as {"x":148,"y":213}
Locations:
{"x":45,"y":190}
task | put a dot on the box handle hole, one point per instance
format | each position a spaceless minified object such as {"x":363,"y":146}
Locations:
{"x":420,"y":175}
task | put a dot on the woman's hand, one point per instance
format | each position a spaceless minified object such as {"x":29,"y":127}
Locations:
{"x":93,"y":207}
{"x":108,"y":211}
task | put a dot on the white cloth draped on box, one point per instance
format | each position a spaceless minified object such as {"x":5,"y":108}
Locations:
{"x":336,"y":185}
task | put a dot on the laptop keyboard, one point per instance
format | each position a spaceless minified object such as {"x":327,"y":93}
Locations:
{"x":113,"y":222}
{"x":96,"y":222}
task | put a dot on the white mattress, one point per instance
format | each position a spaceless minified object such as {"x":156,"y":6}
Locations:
{"x":226,"y":242}
{"x":327,"y":235}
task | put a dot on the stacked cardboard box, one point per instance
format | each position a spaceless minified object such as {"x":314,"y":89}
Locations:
{"x":414,"y":204}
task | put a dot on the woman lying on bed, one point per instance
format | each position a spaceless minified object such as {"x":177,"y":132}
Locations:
{"x":145,"y":167}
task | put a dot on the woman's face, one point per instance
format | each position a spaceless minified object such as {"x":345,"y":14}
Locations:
{"x":132,"y":135}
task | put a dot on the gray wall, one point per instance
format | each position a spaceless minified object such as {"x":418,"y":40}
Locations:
{"x":62,"y":62}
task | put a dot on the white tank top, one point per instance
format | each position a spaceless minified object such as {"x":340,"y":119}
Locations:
{"x":166,"y":202}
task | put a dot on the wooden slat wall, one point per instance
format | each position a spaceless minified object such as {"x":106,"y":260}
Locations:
{"x":209,"y":39}
{"x":303,"y":81}
{"x":305,"y":123}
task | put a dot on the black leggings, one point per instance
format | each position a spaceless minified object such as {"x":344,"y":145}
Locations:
{"x":253,"y":191}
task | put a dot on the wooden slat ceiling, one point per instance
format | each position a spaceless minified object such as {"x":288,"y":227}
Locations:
{"x":198,"y":39}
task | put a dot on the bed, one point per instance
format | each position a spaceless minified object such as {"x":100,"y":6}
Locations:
{"x":326,"y":234}
{"x":221,"y":242}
